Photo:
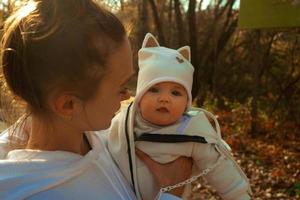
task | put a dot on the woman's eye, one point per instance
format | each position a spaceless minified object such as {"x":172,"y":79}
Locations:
{"x":176,"y":93}
{"x":124,"y":91}
{"x":153,"y":90}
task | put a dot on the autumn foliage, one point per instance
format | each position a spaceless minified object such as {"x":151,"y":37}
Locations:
{"x":250,"y":79}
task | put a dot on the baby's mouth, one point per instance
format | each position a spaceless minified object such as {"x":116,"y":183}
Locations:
{"x":162,"y":110}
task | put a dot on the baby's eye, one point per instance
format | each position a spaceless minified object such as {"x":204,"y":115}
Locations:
{"x":153,"y":90}
{"x":176,"y":93}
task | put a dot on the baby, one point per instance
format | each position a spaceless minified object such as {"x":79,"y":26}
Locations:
{"x":162,"y":123}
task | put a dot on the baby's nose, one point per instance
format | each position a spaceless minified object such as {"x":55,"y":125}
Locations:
{"x":164,"y":98}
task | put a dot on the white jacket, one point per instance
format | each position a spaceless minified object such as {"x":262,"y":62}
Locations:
{"x":35,"y":175}
{"x":211,"y":154}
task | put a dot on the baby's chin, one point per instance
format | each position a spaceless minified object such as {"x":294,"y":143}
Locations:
{"x":162,"y":122}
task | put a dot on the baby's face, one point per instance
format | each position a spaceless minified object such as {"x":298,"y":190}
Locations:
{"x":164,"y":103}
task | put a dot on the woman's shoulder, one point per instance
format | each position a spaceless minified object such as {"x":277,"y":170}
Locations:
{"x":13,"y":137}
{"x":4,"y":144}
{"x":39,"y":174}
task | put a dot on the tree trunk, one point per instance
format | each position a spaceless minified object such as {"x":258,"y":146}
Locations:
{"x":193,"y":45}
{"x":143,"y":22}
{"x":169,"y":37}
{"x":179,"y":23}
{"x":122,"y":5}
{"x":200,"y":5}
{"x":157,"y":22}
{"x":257,"y":64}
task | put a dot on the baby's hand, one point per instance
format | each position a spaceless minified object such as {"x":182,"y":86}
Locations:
{"x":170,"y":173}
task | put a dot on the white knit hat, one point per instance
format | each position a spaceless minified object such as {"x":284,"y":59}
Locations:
{"x":160,"y":64}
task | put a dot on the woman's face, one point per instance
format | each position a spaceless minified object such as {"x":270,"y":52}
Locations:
{"x":99,"y":110}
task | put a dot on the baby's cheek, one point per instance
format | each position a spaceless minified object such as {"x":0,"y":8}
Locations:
{"x":145,"y":107}
{"x":143,"y":111}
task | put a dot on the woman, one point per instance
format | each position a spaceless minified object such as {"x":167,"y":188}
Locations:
{"x":69,"y":61}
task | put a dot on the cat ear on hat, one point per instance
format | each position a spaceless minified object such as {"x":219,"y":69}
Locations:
{"x":150,"y":41}
{"x":185,"y":52}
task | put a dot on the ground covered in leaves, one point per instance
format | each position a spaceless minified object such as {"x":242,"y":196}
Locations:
{"x":273,"y":170}
{"x":271,"y":161}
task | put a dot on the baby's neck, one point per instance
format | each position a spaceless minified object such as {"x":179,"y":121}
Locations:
{"x":146,"y":123}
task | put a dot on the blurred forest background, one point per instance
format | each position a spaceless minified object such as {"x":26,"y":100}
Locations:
{"x":249,"y":78}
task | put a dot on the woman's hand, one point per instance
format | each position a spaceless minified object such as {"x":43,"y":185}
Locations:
{"x":170,"y":173}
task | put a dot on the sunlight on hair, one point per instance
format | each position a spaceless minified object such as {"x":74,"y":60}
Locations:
{"x":129,"y":27}
{"x":27,"y":9}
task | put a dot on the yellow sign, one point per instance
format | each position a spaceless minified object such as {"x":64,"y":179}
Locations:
{"x":269,"y":13}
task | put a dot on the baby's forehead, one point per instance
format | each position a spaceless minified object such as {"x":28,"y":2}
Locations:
{"x":169,"y":84}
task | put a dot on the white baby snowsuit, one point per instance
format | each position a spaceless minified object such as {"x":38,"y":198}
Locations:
{"x":193,"y":137}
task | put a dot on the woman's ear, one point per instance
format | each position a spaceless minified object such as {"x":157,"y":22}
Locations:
{"x":150,"y":41}
{"x":64,"y":106}
{"x":185,"y":52}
